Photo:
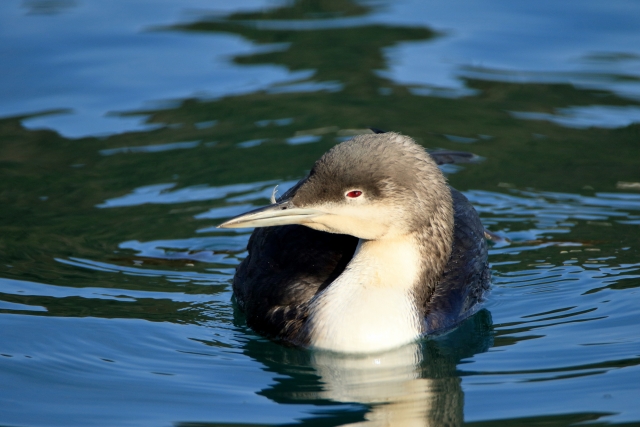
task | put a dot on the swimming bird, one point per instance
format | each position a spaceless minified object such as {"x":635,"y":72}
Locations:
{"x":370,"y":251}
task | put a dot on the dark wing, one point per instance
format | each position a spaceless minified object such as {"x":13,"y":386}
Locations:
{"x":446,"y":157}
{"x":285,"y":268}
{"x":467,"y":276}
{"x":377,"y":131}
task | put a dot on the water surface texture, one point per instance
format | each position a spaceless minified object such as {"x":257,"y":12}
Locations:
{"x":129,"y":129}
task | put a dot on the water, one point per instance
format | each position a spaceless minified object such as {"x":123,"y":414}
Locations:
{"x":130,"y":129}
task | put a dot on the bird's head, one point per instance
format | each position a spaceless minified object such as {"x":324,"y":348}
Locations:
{"x":371,"y":187}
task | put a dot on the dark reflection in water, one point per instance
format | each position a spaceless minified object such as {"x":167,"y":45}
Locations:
{"x":114,"y":284}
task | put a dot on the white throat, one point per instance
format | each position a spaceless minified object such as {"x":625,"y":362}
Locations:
{"x":370,"y":307}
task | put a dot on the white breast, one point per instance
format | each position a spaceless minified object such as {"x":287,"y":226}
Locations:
{"x":370,"y":307}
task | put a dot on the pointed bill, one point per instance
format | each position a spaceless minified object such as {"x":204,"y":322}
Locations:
{"x":283,"y":213}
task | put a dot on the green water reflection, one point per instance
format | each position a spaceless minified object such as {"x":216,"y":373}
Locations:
{"x":51,"y":185}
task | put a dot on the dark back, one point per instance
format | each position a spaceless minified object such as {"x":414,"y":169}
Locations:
{"x":466,"y":277}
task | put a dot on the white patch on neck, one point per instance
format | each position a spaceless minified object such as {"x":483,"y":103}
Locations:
{"x":370,"y":306}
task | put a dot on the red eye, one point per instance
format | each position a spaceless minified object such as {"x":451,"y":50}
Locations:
{"x":354,"y":193}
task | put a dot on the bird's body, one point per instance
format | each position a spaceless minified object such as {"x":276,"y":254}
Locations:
{"x":386,"y":252}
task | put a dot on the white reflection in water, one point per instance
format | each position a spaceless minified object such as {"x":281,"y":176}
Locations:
{"x":413,"y":385}
{"x":391,"y":384}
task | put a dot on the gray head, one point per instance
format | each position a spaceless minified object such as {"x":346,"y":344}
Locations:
{"x":372,"y":187}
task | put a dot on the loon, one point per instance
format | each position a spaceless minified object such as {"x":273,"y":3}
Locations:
{"x":372,"y":250}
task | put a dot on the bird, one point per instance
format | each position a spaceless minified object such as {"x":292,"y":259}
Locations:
{"x":370,"y":251}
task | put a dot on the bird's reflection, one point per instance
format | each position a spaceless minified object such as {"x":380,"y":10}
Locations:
{"x":416,"y":384}
{"x":392,"y":384}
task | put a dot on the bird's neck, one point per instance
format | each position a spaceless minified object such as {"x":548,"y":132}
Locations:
{"x":371,"y":306}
